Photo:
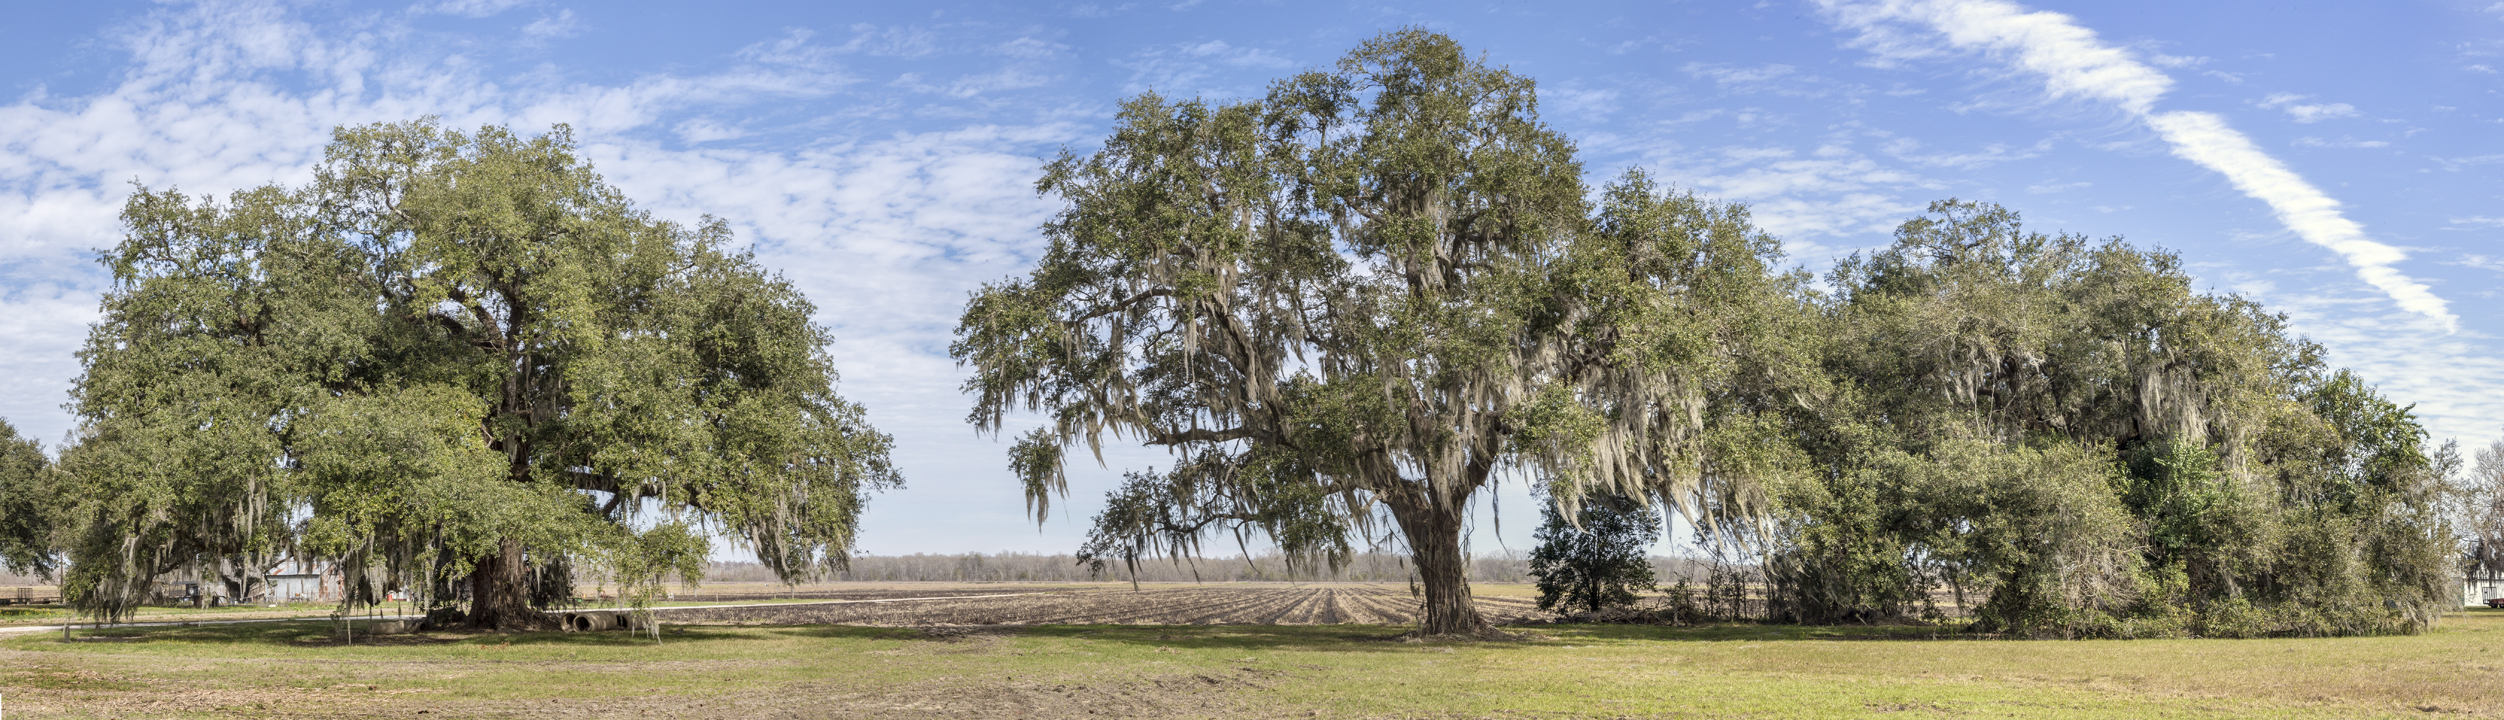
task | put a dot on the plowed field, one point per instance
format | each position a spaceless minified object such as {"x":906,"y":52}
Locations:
{"x":1094,"y":606}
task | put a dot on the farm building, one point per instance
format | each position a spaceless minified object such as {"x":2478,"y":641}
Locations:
{"x":304,"y":581}
{"x":2482,"y":579}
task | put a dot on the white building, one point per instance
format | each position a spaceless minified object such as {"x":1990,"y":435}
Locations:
{"x":302,"y":581}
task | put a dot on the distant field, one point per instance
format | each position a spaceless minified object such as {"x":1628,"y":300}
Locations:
{"x":1241,"y":671}
{"x":1174,"y":604}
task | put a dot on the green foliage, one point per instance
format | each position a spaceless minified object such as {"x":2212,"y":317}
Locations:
{"x":449,"y":357}
{"x":33,"y":517}
{"x":2072,"y":442}
{"x":1600,"y":560}
{"x":1348,"y":304}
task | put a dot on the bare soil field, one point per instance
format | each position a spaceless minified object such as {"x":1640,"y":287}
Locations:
{"x":1183,"y":605}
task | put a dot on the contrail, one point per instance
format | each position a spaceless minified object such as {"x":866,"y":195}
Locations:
{"x":2074,"y":64}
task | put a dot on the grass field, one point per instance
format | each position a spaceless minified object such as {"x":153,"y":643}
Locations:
{"x":1227,"y":671}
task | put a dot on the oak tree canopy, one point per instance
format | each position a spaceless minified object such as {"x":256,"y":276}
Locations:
{"x":1366,"y":297}
{"x":458,"y":364}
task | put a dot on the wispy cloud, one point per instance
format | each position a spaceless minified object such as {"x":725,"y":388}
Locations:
{"x":2356,"y":144}
{"x":793,"y":49}
{"x":2305,"y":112}
{"x":1830,"y":191}
{"x":1187,"y":69}
{"x":2074,"y":64}
{"x":560,"y":25}
{"x":1775,"y":79}
{"x":2456,"y":163}
{"x":1909,"y":150}
{"x":2175,"y":61}
{"x":471,"y":8}
{"x":893,"y":41}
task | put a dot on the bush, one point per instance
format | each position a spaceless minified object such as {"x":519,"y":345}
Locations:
{"x":1600,"y":561}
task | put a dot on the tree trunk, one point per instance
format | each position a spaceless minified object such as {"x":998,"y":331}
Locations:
{"x":500,"y":591}
{"x":1434,"y":538}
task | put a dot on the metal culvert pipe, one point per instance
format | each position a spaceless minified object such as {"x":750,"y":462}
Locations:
{"x":588,"y":621}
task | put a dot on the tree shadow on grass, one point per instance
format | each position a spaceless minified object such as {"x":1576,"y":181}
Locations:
{"x":1375,"y":638}
{"x":310,"y":634}
{"x":320,"y":633}
{"x":1392,"y":638}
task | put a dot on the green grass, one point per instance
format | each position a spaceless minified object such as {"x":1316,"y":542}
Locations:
{"x":1248,"y":671}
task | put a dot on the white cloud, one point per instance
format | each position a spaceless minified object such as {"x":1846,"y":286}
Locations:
{"x":1903,"y":148}
{"x":1189,"y":69}
{"x":1012,"y":77}
{"x":2173,"y":61}
{"x":2479,"y":220}
{"x":793,"y":49}
{"x":885,"y":235}
{"x":2205,"y":139}
{"x":2050,"y":188}
{"x":1219,"y":51}
{"x":2073,"y":63}
{"x":1727,"y":75}
{"x":2304,"y":112}
{"x":2451,"y":377}
{"x":1585,"y":102}
{"x":471,"y":8}
{"x":2456,"y":163}
{"x":1030,"y":48}
{"x":2360,"y":144}
{"x":1829,"y":191}
{"x":701,"y":130}
{"x":560,"y":25}
{"x":1776,"y":79}
{"x":2071,"y":60}
{"x":899,"y":41}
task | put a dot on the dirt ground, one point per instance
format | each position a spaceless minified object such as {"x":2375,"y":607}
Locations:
{"x":1185,"y":605}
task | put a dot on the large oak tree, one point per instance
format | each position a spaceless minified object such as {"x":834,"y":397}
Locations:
{"x":456,"y":364}
{"x":1372,"y":293}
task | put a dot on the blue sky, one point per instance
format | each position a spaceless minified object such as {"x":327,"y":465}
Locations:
{"x":2340,"y":162}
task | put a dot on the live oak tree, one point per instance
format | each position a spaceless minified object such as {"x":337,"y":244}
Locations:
{"x":456,"y":364}
{"x":1366,"y":297}
{"x":2072,"y":440}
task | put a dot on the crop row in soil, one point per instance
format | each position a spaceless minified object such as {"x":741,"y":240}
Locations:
{"x":1095,"y":606}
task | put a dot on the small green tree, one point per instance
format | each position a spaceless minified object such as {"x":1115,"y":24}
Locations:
{"x":33,"y":503}
{"x":1599,"y":560}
